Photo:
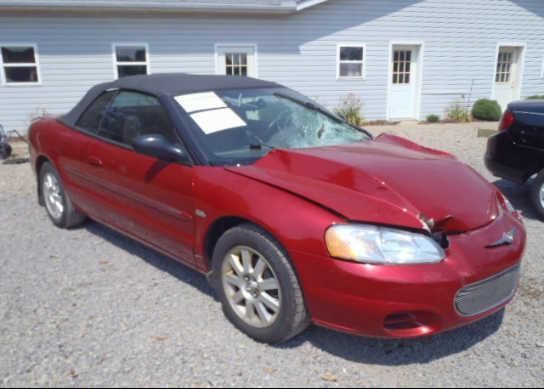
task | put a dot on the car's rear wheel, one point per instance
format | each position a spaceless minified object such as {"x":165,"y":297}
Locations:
{"x":257,"y":285}
{"x":537,"y":194}
{"x":59,"y":207}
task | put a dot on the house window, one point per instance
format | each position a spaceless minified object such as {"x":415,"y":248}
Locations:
{"x":236,"y":59}
{"x":402,"y":61}
{"x":504,"y":66}
{"x":236,"y":64}
{"x":351,"y":61}
{"x":20,"y":65}
{"x":131,"y":60}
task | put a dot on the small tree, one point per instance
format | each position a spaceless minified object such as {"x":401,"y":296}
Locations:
{"x":351,"y":109}
{"x":485,"y":109}
{"x":433,"y":118}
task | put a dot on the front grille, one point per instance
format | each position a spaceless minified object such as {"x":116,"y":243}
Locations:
{"x":487,"y":294}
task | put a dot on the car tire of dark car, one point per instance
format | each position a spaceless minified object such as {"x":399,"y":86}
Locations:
{"x":536,"y":192}
{"x":58,"y":205}
{"x":291,"y":318}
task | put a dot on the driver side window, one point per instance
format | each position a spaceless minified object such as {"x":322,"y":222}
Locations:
{"x":123,"y":116}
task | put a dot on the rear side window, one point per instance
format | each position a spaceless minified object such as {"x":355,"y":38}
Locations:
{"x":91,"y":119}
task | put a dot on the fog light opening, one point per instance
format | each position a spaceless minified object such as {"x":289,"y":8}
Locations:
{"x":402,"y":321}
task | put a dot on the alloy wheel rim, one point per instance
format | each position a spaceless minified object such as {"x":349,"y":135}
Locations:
{"x":52,"y":196}
{"x":542,"y":196}
{"x":251,"y":287}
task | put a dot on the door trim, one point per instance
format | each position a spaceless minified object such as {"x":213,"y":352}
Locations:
{"x":518,"y":45}
{"x":221,"y":45}
{"x":419,"y":75}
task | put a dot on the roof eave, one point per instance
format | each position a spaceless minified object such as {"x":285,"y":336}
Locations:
{"x":285,"y":7}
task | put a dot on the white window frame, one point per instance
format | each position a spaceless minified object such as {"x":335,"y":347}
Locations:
{"x":219,"y":65}
{"x":116,"y":63}
{"x":339,"y":46}
{"x":36,"y":63}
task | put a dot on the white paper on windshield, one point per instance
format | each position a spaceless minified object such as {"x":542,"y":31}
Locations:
{"x":200,"y":101}
{"x":217,"y":120}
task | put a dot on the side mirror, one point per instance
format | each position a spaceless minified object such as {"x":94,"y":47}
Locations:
{"x":157,"y":146}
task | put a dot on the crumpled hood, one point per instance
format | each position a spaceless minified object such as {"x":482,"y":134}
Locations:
{"x":388,"y":181}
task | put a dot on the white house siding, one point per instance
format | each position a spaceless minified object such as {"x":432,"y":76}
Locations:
{"x":460,"y":40}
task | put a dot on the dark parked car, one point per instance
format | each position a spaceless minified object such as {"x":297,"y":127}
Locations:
{"x":516,"y":153}
{"x":295,"y":215}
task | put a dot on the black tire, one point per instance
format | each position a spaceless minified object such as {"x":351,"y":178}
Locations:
{"x":293,"y":317}
{"x":5,"y":151}
{"x":70,"y":217}
{"x":535,"y":190}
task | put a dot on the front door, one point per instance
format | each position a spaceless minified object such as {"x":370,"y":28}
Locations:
{"x":404,"y":82}
{"x":507,"y":80}
{"x":236,"y":60}
{"x":144,"y":197}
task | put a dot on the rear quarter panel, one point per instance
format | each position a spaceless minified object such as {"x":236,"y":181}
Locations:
{"x":59,"y":144}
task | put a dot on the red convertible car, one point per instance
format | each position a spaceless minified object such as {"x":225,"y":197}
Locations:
{"x":295,"y":215}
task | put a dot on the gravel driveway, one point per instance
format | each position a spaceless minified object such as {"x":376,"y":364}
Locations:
{"x":89,"y":307}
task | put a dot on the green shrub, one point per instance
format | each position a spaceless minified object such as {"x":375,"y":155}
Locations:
{"x":485,"y":109}
{"x":536,"y":97}
{"x":458,"y":113}
{"x":433,"y":119}
{"x":350,"y":109}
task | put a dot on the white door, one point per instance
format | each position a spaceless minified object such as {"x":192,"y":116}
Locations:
{"x":236,"y":60}
{"x":507,"y":75}
{"x":404,"y":83}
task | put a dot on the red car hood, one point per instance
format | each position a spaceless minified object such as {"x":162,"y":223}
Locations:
{"x":389,"y":181}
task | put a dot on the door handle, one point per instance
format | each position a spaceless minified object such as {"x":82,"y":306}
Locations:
{"x":95,"y":161}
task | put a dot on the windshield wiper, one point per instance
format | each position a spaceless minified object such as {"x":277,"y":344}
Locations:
{"x":260,"y":145}
{"x":309,"y":105}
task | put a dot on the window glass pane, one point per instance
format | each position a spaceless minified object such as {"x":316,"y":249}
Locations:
{"x":21,"y":74}
{"x":131,"y":70}
{"x":395,"y":78}
{"x":94,"y":113}
{"x":132,"y":114}
{"x":243,"y":59}
{"x":351,"y":69}
{"x":408,"y":56}
{"x":351,"y":53}
{"x":18,"y":55}
{"x":244,"y":71}
{"x":236,"y":71}
{"x":130,"y":53}
{"x":407,"y":78}
{"x":228,"y":59}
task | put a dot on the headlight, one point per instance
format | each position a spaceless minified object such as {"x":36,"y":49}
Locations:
{"x":379,"y":245}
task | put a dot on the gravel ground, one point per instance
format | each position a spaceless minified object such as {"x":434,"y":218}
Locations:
{"x":89,"y":307}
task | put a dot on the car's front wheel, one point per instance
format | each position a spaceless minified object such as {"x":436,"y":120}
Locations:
{"x":59,"y":207}
{"x":537,"y":194}
{"x":257,"y":285}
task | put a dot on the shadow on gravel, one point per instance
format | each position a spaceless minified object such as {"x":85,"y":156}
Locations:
{"x":399,"y":352}
{"x":353,"y":348}
{"x":154,"y":258}
{"x":519,"y":196}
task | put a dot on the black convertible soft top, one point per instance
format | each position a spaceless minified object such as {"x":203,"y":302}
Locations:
{"x":167,"y":84}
